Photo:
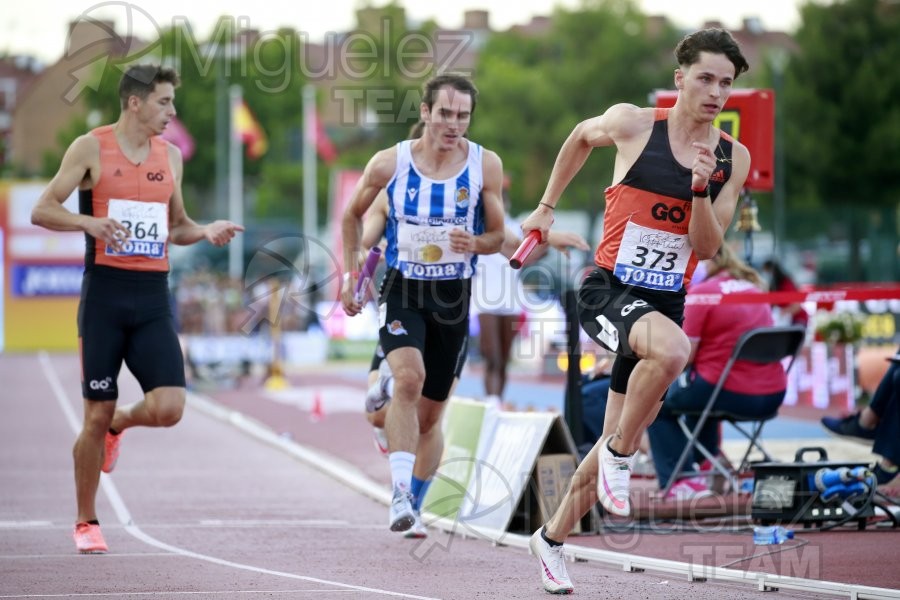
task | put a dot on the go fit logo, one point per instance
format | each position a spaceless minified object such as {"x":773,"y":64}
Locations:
{"x":158,"y":176}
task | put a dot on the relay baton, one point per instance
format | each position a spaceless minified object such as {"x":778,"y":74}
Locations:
{"x":521,"y":255}
{"x":368,"y":271}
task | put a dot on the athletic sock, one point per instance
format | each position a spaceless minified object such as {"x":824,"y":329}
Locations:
{"x":401,"y":468}
{"x":553,"y":543}
{"x":418,"y":489}
{"x":616,"y":454}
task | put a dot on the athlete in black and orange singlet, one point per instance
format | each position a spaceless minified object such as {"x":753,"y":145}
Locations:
{"x":675,"y":187}
{"x":130,"y":208}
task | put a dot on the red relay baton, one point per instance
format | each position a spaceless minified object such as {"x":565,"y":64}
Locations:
{"x":528,"y":244}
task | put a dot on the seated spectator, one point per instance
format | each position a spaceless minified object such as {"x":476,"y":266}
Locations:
{"x":878,"y":423}
{"x":779,"y":281}
{"x":594,"y":391}
{"x":751,"y":390}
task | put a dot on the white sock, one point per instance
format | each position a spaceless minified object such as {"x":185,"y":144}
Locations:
{"x":389,"y":388}
{"x":402,"y":468}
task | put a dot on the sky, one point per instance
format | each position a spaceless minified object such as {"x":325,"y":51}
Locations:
{"x":38,"y":27}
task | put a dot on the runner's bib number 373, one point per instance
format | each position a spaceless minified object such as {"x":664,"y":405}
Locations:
{"x":148,"y":224}
{"x":652,"y":259}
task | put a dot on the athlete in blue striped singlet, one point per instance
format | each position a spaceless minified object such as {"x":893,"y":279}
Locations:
{"x":444,"y":208}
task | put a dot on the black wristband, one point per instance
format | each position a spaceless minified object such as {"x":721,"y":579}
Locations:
{"x":547,"y":205}
{"x":704,"y":193}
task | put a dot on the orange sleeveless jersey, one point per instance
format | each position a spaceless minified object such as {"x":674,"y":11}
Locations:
{"x":151,"y":181}
{"x":655,"y":194}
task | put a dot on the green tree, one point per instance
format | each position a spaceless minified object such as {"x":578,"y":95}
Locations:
{"x":843,"y":126}
{"x":390,"y":62}
{"x":536,"y":89}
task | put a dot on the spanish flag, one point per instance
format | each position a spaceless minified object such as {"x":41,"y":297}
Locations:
{"x":249,"y":131}
{"x":324,"y":146}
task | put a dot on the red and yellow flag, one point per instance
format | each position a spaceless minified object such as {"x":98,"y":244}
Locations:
{"x":249,"y":131}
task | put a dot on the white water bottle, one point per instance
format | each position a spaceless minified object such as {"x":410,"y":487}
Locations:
{"x":773,"y":534}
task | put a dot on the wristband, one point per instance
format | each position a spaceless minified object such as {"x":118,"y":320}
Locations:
{"x":704,"y":193}
{"x":547,"y":205}
{"x":349,"y":274}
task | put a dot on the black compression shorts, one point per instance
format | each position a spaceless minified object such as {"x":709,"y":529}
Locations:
{"x":126,"y":315}
{"x":432,"y":316}
{"x":608,"y":309}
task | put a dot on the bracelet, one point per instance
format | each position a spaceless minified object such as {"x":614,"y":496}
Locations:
{"x":547,"y":205}
{"x":349,"y":274}
{"x":704,"y":193}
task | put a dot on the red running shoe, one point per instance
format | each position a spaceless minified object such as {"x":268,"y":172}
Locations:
{"x":89,"y":539}
{"x":110,"y":452}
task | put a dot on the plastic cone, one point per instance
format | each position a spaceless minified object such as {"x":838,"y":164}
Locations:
{"x":317,"y":413}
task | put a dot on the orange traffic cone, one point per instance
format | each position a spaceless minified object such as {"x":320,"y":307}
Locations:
{"x":317,"y":413}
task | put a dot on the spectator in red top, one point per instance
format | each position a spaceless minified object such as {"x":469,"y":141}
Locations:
{"x":780,"y":281}
{"x":713,"y":330}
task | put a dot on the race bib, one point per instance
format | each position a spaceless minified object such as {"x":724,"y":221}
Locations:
{"x":653,"y":259}
{"x":424,"y":252}
{"x":148,"y":224}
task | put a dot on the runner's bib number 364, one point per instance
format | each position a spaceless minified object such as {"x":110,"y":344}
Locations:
{"x":148,"y":224}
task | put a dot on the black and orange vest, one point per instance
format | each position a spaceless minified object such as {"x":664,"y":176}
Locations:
{"x":645,"y":226}
{"x":135,"y":195}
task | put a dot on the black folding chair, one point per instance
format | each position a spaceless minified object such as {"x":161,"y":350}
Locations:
{"x":762,"y":345}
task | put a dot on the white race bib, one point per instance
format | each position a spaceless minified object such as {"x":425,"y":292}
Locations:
{"x":653,"y":259}
{"x":424,"y":252}
{"x":148,"y":223}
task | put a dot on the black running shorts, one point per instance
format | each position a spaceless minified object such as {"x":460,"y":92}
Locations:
{"x":433,"y":317}
{"x":608,"y":309}
{"x":126,"y":315}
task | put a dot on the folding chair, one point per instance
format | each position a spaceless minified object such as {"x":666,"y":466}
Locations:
{"x":762,"y":345}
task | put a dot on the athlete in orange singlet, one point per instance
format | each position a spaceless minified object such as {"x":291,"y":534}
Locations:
{"x":130,"y":208}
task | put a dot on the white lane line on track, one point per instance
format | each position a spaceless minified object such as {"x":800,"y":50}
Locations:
{"x":274,"y":523}
{"x":24,"y":524}
{"x":165,"y":594}
{"x":124,"y":516}
{"x":76,"y":556}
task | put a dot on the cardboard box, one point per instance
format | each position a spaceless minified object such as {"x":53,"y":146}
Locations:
{"x":552,"y":474}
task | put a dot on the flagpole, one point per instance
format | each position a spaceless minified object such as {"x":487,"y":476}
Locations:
{"x":310,"y":216}
{"x":235,"y":186}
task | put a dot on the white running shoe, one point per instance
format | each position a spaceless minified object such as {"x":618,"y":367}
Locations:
{"x":418,"y":530}
{"x":378,"y":393}
{"x":614,"y":480}
{"x":553,"y":565}
{"x":381,"y":441}
{"x":401,"y":516}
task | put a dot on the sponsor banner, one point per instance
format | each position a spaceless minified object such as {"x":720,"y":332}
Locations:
{"x":504,"y":465}
{"x":463,"y":424}
{"x":46,"y":280}
{"x":823,"y":296}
